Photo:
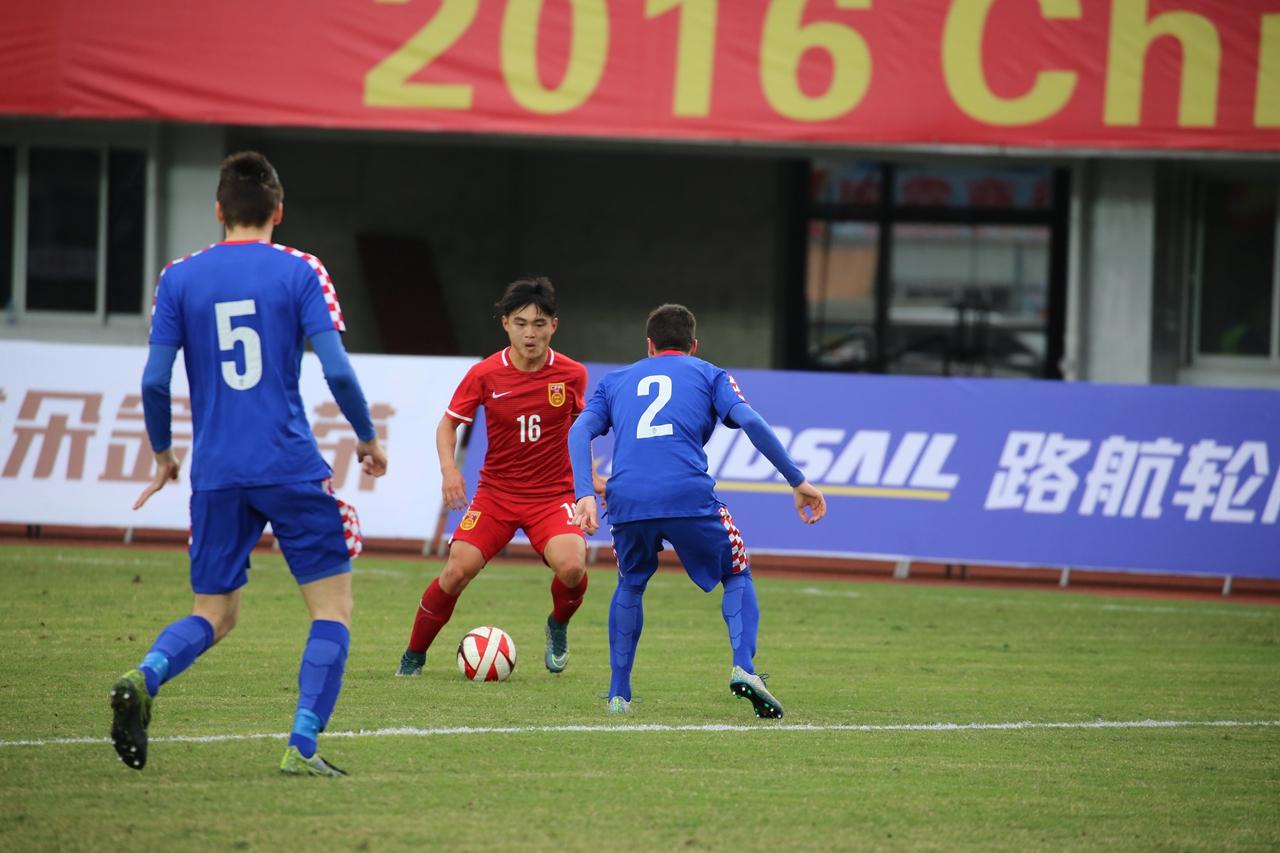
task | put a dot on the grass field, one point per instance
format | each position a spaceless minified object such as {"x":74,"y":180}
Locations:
{"x":865,"y":670}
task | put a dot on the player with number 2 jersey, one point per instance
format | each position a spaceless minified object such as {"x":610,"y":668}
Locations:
{"x":531,"y":394}
{"x":662,"y":410}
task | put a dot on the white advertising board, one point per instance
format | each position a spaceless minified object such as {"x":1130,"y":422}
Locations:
{"x":73,"y":446}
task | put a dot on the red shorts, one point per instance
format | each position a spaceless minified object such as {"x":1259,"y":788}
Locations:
{"x":493,"y":518}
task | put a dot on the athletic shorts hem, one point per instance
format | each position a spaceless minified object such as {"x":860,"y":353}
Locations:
{"x":340,"y":569}
{"x":205,"y":589}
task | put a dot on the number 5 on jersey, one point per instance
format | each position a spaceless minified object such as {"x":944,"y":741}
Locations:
{"x":646,"y":428}
{"x":229,"y":336}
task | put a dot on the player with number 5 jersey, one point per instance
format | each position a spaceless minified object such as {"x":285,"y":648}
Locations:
{"x":241,"y":311}
{"x":531,"y":394}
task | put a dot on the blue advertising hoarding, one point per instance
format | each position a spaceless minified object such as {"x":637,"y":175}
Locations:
{"x":1014,"y":472}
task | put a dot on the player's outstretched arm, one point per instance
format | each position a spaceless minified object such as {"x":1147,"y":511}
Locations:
{"x":453,"y":487}
{"x":809,"y":498}
{"x":766,"y":441}
{"x":349,"y":396}
{"x":810,"y":503}
{"x":156,"y":413}
{"x":588,"y":426}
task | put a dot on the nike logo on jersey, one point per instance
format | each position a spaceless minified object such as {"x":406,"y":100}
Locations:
{"x":496,"y":395}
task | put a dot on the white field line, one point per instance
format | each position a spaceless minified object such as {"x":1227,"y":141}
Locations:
{"x":1190,"y":609}
{"x":74,"y":560}
{"x":409,"y":731}
{"x":386,"y":573}
{"x":826,"y":593}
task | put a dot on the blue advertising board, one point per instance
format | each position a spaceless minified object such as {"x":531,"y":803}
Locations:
{"x":1000,"y":471}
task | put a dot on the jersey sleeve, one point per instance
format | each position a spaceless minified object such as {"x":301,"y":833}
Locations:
{"x":319,"y":310}
{"x":166,"y":312}
{"x":467,"y":397}
{"x":726,"y":394}
{"x":598,"y":405}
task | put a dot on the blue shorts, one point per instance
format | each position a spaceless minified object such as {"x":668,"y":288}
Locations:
{"x":226,"y":524}
{"x":709,"y":546}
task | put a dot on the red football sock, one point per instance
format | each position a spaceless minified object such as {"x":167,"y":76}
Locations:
{"x":566,"y":600}
{"x":433,"y":613}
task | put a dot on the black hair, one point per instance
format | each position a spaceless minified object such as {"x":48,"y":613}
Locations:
{"x":249,"y":190}
{"x":672,"y":326}
{"x":530,"y":290}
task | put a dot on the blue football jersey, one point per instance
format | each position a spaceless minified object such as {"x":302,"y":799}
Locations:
{"x":241,"y":312}
{"x":662,"y":411}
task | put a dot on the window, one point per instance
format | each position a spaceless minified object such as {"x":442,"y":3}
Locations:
{"x":8,"y":170}
{"x":62,"y":230}
{"x":934,"y":269}
{"x":1238,"y":273}
{"x":840,"y":292}
{"x":969,"y":297}
{"x":126,"y":230}
{"x":74,"y":222}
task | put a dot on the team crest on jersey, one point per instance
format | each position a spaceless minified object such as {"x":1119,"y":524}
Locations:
{"x":470,"y":519}
{"x":555,"y":394}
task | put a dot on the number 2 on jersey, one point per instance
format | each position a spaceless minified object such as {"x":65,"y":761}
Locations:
{"x":229,"y":335}
{"x":646,"y":428}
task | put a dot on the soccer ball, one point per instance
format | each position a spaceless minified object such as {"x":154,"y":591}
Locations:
{"x":486,"y":654}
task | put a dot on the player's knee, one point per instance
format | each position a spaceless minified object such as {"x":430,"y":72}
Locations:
{"x":633,"y":588}
{"x":336,"y":610}
{"x":571,"y":571}
{"x":456,"y":576}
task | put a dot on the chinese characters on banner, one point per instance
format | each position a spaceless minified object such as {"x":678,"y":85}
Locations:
{"x":1130,"y":479}
{"x":46,"y":433}
{"x":74,"y":449}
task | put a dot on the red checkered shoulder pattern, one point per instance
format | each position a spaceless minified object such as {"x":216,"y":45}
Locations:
{"x":740,"y":559}
{"x":176,"y":261}
{"x":733,"y":383}
{"x":326,"y":284}
{"x":350,"y":523}
{"x":155,"y":294}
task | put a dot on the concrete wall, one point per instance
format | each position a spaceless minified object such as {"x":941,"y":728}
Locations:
{"x":618,"y":232}
{"x":1117,"y":268}
{"x":187,"y":179}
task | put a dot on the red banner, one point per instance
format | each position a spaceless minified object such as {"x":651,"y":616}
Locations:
{"x":1181,"y":74}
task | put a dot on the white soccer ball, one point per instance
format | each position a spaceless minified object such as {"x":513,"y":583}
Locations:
{"x":486,"y":654}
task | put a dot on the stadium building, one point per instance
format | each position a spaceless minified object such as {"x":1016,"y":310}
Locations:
{"x":1088,"y":192}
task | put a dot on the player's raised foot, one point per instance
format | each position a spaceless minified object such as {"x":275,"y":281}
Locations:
{"x":293,"y":764}
{"x":411,"y":663}
{"x":751,"y":686}
{"x":130,"y":716}
{"x":557,"y":654}
{"x":618,"y":705}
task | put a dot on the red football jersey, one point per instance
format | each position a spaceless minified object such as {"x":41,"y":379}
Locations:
{"x":528,"y":415}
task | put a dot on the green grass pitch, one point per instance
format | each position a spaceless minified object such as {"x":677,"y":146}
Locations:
{"x":884,"y":661}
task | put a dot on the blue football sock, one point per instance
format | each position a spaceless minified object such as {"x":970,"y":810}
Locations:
{"x":626,"y":620}
{"x":742,"y":618}
{"x":175,"y":649}
{"x":319,"y":680}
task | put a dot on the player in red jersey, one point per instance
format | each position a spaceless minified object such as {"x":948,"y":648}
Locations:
{"x":531,"y":395}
